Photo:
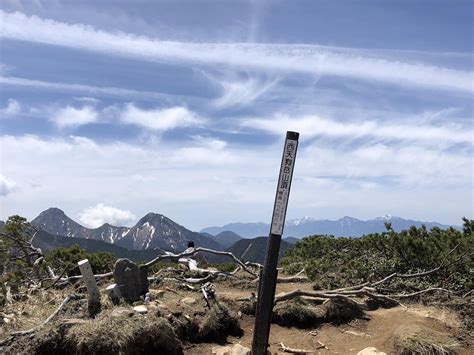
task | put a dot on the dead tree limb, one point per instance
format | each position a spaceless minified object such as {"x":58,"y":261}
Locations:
{"x":369,"y":289}
{"x":287,"y":349}
{"x":432,"y":289}
{"x":176,"y":257}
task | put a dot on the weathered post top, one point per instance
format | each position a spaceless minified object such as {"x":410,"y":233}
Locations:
{"x":268,"y":278}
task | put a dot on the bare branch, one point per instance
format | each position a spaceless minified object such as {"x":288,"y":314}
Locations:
{"x":176,"y":257}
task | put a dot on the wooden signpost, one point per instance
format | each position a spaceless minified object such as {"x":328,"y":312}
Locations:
{"x":268,"y":277}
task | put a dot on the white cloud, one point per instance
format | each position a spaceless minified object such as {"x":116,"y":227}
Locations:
{"x":313,"y":59}
{"x":83,"y":89}
{"x":13,"y":108}
{"x":242,"y":92}
{"x":98,"y":215}
{"x":186,"y":180}
{"x":91,"y":100}
{"x":159,"y":119}
{"x":7,"y":185}
{"x":313,"y":125}
{"x":72,"y":117}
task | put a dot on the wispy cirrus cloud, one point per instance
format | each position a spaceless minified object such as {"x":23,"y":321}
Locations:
{"x":312,"y":59}
{"x":84,"y":89}
{"x":313,"y":125}
{"x":241,"y":91}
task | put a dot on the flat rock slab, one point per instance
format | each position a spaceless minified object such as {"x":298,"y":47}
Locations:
{"x":370,"y":351}
{"x":140,"y":309}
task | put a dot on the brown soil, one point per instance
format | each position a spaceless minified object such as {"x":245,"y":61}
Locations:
{"x":349,"y":338}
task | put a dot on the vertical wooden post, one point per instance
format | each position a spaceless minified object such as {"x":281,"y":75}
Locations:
{"x":92,"y":289}
{"x":268,"y":277}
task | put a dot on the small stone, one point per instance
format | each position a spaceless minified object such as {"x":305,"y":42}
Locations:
{"x":370,"y":351}
{"x":147,"y":297}
{"x":222,"y":350}
{"x":238,"y":349}
{"x":188,"y":300}
{"x":140,"y":309}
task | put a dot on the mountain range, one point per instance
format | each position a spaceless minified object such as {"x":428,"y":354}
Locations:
{"x":343,"y":227}
{"x":153,"y":231}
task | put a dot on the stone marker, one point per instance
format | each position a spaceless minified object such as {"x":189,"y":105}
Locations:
{"x":143,"y":270}
{"x":92,"y":289}
{"x":114,"y":294}
{"x":127,"y":277}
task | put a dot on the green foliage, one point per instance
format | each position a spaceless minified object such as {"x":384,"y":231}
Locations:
{"x":59,"y":259}
{"x":15,"y":261}
{"x":224,"y":267}
{"x":337,"y":262}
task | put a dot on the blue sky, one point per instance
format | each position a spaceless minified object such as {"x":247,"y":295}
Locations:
{"x":113,"y":109}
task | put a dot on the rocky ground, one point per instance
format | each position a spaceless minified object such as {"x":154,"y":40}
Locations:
{"x":177,"y":321}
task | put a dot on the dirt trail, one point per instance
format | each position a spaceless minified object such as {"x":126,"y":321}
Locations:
{"x":349,"y":338}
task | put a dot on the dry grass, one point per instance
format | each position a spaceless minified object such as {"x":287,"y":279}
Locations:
{"x":249,"y":307}
{"x":111,"y":335}
{"x":296,"y":313}
{"x":218,"y":322}
{"x":340,"y":311}
{"x":423,"y":341}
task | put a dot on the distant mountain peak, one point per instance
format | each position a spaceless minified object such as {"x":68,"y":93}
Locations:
{"x":387,"y":217}
{"x":53,"y":211}
{"x":298,"y":221}
{"x":152,"y":231}
{"x":349,"y":218}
